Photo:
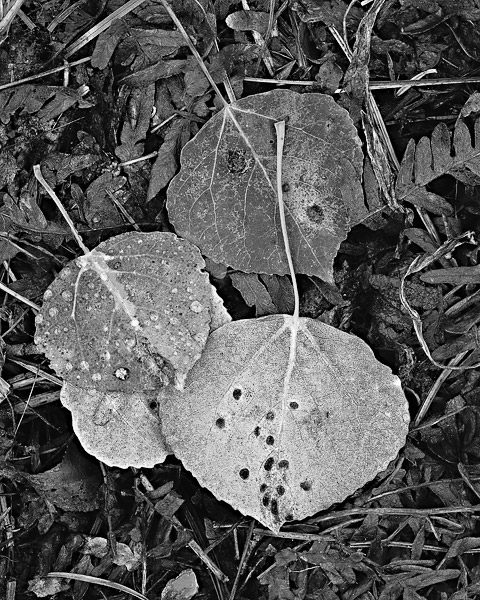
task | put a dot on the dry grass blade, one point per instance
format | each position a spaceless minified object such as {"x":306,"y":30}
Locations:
{"x":13,"y":8}
{"x":12,"y":84}
{"x":94,"y":32}
{"x":97,"y":581}
{"x":416,"y":266}
{"x":38,"y":174}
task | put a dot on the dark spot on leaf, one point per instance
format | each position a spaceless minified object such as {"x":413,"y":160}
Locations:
{"x":270,"y":440}
{"x":283,"y":464}
{"x":268,"y":464}
{"x":122,"y":373}
{"x":256,"y":431}
{"x":274,"y":507}
{"x":244,"y":473}
{"x":280,"y":490}
{"x":289,"y":517}
{"x":294,"y":405}
{"x":270,"y":415}
{"x":271,"y":141}
{"x":315,"y":213}
{"x":237,"y":162}
{"x":327,"y":414}
{"x":266,"y":500}
{"x":263,"y":487}
{"x":285,"y":187}
{"x":237,"y":394}
{"x":153,"y":405}
{"x":220,"y":423}
{"x":306,"y":486}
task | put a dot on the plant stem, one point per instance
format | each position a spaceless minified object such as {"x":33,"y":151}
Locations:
{"x":280,"y":129}
{"x":38,"y":174}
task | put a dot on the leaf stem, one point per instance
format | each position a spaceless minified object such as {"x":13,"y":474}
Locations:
{"x":280,"y":129}
{"x":38,"y":174}
{"x":193,"y":50}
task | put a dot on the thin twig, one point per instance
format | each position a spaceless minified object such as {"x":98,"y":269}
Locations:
{"x":447,"y":371}
{"x":374,"y":85}
{"x":94,"y":32}
{"x":26,"y":301}
{"x":193,"y":50}
{"x":10,"y":15}
{"x":245,"y":555}
{"x":97,"y":581}
{"x":7,"y":86}
{"x":38,"y":174}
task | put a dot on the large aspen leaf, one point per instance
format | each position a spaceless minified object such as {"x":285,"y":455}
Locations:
{"x":224,"y":198}
{"x":282,"y":417}
{"x":133,"y":314}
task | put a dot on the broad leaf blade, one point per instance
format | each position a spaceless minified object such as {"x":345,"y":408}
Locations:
{"x":224,"y":198}
{"x":281,"y":424}
{"x":131,"y":315}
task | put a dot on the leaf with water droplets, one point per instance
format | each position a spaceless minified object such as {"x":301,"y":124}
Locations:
{"x":224,"y":198}
{"x":133,"y":314}
{"x":283,"y":422}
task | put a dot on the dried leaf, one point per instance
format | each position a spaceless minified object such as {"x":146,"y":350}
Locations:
{"x":98,"y":209}
{"x":46,"y":101}
{"x":224,"y":198}
{"x":134,"y":132}
{"x":254,"y":293}
{"x":427,"y":579}
{"x":8,"y":168}
{"x":281,"y":292}
{"x":160,"y":70}
{"x":150,"y":45}
{"x":442,"y":154}
{"x":182,"y":587}
{"x":73,"y":484}
{"x":248,"y":20}
{"x":356,"y":78}
{"x":166,"y":163}
{"x":133,"y":312}
{"x":283,"y":423}
{"x":25,"y":215}
{"x":106,"y":43}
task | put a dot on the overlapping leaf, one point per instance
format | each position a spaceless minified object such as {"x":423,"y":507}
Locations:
{"x":119,"y":429}
{"x":131,"y":315}
{"x":283,"y":417}
{"x":224,"y":198}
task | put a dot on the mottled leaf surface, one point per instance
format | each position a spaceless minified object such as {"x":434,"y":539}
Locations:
{"x":120,"y":429}
{"x":133,"y":314}
{"x":224,"y":199}
{"x":281,"y":423}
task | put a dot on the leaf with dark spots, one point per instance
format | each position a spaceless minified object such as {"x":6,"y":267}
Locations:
{"x":311,"y":425}
{"x":224,"y":198}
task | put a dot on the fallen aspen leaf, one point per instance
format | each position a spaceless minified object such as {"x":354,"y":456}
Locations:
{"x":281,"y":418}
{"x":224,"y":198}
{"x":133,"y":314}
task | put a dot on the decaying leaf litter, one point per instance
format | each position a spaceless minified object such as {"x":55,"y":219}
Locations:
{"x":431,"y":524}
